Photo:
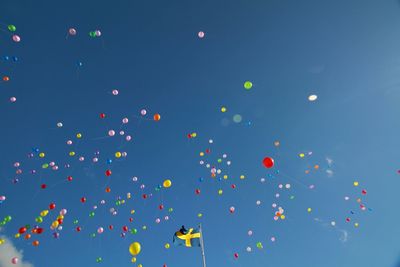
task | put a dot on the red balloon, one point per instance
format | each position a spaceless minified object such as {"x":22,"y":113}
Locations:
{"x":102,"y":115}
{"x":78,"y":229}
{"x":236,"y":255}
{"x":161,"y":206}
{"x":233,"y":186}
{"x":69,"y":178}
{"x":197,"y":191}
{"x":364,"y":192}
{"x":43,"y":186}
{"x":125,"y":228}
{"x":108,"y":172}
{"x":22,"y":230}
{"x":52,"y":206}
{"x":83,"y":199}
{"x":110,"y":227}
{"x":39,"y":231}
{"x":268,"y":162}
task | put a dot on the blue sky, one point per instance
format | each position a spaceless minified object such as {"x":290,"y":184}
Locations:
{"x":346,"y":52}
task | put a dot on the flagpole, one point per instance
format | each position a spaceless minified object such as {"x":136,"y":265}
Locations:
{"x":202,"y":246}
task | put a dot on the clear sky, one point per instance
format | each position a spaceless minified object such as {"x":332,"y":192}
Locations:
{"x":344,"y":51}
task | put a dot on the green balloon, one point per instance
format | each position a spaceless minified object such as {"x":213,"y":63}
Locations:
{"x":8,"y":218}
{"x":170,"y":210}
{"x":133,"y":231}
{"x":39,"y":219}
{"x":76,"y":221}
{"x":92,"y":34}
{"x":12,"y":28}
{"x":259,"y":245}
{"x":248,"y":85}
{"x":91,"y":214}
{"x":99,"y":259}
{"x":2,"y":223}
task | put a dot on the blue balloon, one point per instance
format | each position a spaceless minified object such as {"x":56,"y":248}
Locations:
{"x":14,"y":58}
{"x":109,"y":161}
{"x":6,"y":58}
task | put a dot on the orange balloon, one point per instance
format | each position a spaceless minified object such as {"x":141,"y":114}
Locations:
{"x":6,"y":78}
{"x":35,"y":243}
{"x":157,"y":117}
{"x":27,"y":236}
{"x":108,"y":190}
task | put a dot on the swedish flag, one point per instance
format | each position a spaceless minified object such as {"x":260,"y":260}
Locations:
{"x":188,"y":238}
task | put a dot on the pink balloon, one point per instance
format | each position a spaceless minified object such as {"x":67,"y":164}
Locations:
{"x":100,"y":230}
{"x":2,"y":198}
{"x":143,"y":112}
{"x":14,"y":260}
{"x":16,"y":38}
{"x":111,"y":132}
{"x":125,"y":120}
{"x":115,"y":92}
{"x":128,"y":138}
{"x":72,"y":31}
{"x":97,"y":33}
{"x":201,"y":34}
{"x":13,"y":99}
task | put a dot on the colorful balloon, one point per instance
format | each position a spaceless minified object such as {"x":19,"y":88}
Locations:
{"x":268,"y":162}
{"x":157,"y":117}
{"x":72,"y":31}
{"x":135,"y":248}
{"x":12,"y":28}
{"x":248,"y":85}
{"x":16,"y":38}
{"x":167,"y":183}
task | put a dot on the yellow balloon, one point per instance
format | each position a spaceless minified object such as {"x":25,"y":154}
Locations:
{"x":17,"y":235}
{"x":167,"y":183}
{"x":79,"y":135}
{"x":139,"y":265}
{"x":2,"y":241}
{"x":41,"y":155}
{"x":167,"y":246}
{"x":118,"y":155}
{"x":135,"y":248}
{"x":55,"y":224}
{"x":44,"y":213}
{"x":72,"y":153}
{"x":133,"y":259}
{"x":223,"y":109}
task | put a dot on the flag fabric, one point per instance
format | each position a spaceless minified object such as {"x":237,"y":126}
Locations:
{"x":188,"y":238}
